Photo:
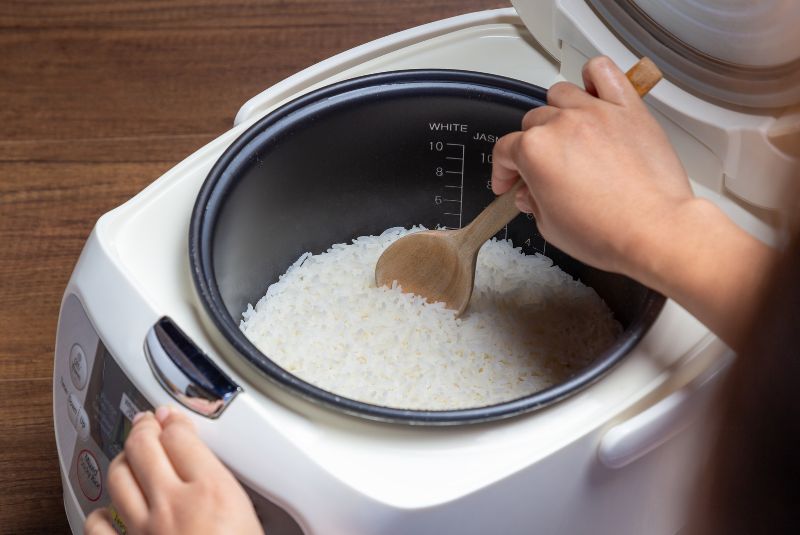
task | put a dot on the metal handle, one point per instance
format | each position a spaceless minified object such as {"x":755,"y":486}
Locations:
{"x":185,"y":372}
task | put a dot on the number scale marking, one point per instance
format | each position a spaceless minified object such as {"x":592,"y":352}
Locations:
{"x":460,"y":172}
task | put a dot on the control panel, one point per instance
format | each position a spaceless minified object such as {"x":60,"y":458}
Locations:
{"x":94,"y":403}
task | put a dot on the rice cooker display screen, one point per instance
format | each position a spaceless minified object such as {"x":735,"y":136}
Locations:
{"x":112,"y":403}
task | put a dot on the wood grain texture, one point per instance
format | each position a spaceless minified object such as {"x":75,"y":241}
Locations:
{"x":99,"y":98}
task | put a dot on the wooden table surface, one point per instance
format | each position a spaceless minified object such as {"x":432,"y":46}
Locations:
{"x":98,"y":99}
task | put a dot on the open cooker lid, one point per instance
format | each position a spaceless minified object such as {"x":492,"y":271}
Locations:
{"x":742,"y":52}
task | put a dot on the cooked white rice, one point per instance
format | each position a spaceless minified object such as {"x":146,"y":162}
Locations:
{"x":529,"y":325}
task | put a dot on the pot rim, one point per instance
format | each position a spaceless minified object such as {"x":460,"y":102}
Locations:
{"x":222,"y":178}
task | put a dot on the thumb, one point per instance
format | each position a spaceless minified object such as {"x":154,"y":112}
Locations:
{"x":603,"y":79}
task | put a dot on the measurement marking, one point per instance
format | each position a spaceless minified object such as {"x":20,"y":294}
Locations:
{"x":460,"y":186}
{"x":461,"y":212}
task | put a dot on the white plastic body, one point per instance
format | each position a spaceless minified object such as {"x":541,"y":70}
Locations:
{"x":340,"y":475}
{"x":727,"y":150}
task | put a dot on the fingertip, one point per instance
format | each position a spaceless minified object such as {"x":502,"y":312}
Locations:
{"x":139,"y":416}
{"x":143,"y":423}
{"x":174,"y":416}
{"x":523,"y":201}
{"x":501,"y":185}
{"x":555,"y":91}
{"x":603,"y":78}
{"x":98,"y":523}
{"x":567,"y":95}
{"x":602,"y":66}
{"x":591,"y":70}
{"x":118,"y":460}
{"x":598,"y":63}
{"x":504,"y":167}
{"x":162,"y":413}
{"x":538,"y":116}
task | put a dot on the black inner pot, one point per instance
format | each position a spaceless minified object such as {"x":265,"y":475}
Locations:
{"x":356,"y":158}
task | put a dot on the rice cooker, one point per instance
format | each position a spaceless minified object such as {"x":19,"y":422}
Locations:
{"x":398,"y":132}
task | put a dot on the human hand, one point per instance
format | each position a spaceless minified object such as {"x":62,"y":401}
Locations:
{"x":607,"y":188}
{"x":602,"y":178}
{"x":166,"y":481}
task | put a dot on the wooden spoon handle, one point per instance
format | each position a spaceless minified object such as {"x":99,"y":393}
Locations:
{"x":644,"y":75}
{"x":493,"y":218}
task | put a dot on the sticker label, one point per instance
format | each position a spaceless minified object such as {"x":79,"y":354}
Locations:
{"x":128,"y":407}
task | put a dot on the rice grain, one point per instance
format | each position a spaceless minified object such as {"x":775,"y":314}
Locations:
{"x":529,"y":326}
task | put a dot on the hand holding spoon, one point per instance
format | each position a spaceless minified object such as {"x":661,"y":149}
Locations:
{"x":440,"y":265}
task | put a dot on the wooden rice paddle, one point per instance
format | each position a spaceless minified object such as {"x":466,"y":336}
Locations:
{"x":440,"y":265}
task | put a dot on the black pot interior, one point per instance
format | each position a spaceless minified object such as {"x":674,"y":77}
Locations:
{"x":356,"y":158}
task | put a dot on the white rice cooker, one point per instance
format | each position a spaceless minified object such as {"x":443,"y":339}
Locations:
{"x":616,"y":456}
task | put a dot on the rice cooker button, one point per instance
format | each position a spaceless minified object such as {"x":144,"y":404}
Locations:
{"x":90,"y":480}
{"x":78,"y":371}
{"x":73,"y":408}
{"x":82,"y":423}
